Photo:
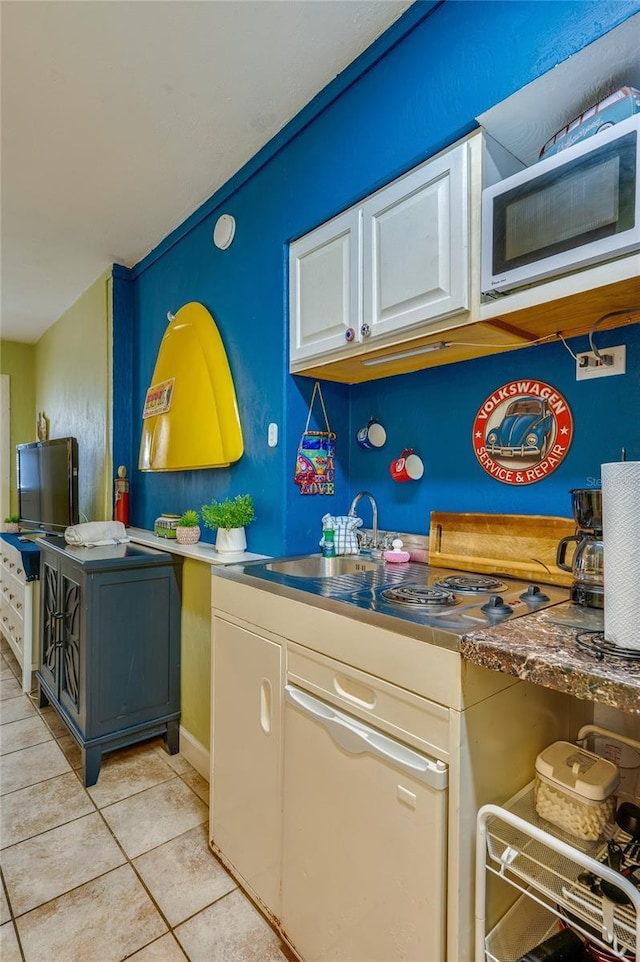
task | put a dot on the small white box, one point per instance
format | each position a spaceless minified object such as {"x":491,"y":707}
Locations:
{"x":574,"y":789}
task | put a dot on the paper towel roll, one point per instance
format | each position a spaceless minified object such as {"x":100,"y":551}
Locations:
{"x":621,"y":546}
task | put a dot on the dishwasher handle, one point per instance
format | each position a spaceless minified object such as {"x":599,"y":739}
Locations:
{"x":355,"y":737}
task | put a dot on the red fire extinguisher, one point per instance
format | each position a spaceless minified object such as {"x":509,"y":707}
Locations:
{"x":121,"y":497}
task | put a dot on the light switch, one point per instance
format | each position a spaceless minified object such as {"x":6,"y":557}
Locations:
{"x":272,"y":436}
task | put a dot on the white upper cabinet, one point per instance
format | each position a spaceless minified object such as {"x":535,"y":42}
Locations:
{"x":325,"y":287}
{"x":397,"y":260}
{"x":415,"y":247}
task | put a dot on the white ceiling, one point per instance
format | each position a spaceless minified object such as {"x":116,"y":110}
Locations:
{"x":121,"y":117}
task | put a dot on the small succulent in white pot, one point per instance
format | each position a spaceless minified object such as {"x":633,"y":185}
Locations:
{"x":230,"y":517}
{"x":12,"y":524}
{"x":188,"y":528}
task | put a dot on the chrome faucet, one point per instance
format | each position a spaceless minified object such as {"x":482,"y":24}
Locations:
{"x":374,"y":508}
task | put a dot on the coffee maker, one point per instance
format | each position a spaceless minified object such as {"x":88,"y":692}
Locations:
{"x":587,"y":564}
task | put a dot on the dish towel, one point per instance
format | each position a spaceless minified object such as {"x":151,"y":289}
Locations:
{"x":94,"y":533}
{"x":344,"y":528}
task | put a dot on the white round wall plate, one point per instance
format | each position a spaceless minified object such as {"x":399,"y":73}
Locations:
{"x":224,"y":231}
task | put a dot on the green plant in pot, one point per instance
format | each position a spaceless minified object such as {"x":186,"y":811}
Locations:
{"x":188,"y":528}
{"x":12,"y":523}
{"x":230,"y":517}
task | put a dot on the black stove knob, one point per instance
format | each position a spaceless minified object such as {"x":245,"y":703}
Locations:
{"x":496,"y":607}
{"x":533,"y":596}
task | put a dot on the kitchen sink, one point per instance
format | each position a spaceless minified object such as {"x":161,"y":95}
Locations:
{"x":315,"y":566}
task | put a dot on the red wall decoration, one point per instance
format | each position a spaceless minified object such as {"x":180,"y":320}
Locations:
{"x":522,"y":432}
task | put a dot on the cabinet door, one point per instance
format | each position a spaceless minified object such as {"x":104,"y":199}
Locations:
{"x":71,"y":670}
{"x":60,"y":645}
{"x":415,"y":246}
{"x":364,"y":864}
{"x":325,"y":288}
{"x":134,"y":631}
{"x":50,"y":622}
{"x":246,"y":743}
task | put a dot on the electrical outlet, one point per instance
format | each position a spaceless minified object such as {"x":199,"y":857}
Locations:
{"x":588,"y":366}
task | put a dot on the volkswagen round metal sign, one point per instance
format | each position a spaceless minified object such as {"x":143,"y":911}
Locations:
{"x":522,"y":432}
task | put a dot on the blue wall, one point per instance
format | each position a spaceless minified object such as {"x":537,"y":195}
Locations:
{"x":413,"y":92}
{"x":433,"y":412}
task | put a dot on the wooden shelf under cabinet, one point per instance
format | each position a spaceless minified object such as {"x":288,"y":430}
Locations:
{"x":500,"y":329}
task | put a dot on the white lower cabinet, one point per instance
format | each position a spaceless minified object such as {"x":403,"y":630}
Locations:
{"x":19,"y":611}
{"x":246,"y":783}
{"x":349,"y":764}
{"x":364,"y":853}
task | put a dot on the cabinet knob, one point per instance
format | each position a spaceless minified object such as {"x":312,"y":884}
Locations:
{"x":349,"y":334}
{"x":365,"y":330}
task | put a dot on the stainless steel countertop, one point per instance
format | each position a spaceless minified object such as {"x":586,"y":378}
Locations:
{"x":353,"y":596}
{"x":534,"y":648}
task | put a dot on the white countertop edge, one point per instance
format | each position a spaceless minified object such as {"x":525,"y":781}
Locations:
{"x":202,"y":551}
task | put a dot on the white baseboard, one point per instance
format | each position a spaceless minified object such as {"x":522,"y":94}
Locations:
{"x":195,"y":753}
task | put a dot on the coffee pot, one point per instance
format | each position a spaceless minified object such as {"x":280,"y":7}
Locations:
{"x":587,"y":564}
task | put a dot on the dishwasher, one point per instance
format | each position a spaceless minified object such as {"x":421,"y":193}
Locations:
{"x":365,"y":837}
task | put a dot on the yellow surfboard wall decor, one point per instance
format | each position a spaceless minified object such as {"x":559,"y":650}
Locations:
{"x":190,"y":417}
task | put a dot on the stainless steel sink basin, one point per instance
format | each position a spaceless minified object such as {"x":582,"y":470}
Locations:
{"x":316,"y":566}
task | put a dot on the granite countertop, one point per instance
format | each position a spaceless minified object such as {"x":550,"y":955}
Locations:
{"x":539,"y":650}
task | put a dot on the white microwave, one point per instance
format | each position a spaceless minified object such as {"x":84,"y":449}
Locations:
{"x":575,"y":208}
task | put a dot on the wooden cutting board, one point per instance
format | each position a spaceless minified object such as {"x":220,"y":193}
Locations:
{"x":523,"y":546}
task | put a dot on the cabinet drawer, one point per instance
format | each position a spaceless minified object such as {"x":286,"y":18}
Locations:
{"x":414,"y":720}
{"x":12,"y":628}
{"x":11,"y":560}
{"x":5,"y":614}
{"x":13,"y":594}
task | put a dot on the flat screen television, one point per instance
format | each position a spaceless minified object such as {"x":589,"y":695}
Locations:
{"x":47,"y":474}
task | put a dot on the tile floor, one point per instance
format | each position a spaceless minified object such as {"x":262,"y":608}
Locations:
{"x":117,"y":871}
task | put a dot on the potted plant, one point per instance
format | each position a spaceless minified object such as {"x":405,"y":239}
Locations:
{"x":230,"y":517}
{"x":12,"y":524}
{"x":188,"y":528}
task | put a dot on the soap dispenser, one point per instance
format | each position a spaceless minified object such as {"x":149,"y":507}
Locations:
{"x":328,"y":541}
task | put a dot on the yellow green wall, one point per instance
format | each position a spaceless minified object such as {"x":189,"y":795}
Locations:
{"x":68,"y":376}
{"x":18,"y":361}
{"x":73,"y":389}
{"x":196,"y":649}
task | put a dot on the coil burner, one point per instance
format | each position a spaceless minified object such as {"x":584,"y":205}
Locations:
{"x":475,"y":584}
{"x":419,"y":596}
{"x":594,"y":643}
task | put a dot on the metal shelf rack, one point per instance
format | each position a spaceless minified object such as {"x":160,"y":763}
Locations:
{"x":543,"y":864}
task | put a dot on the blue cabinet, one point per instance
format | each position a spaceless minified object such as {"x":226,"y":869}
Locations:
{"x":110,"y":645}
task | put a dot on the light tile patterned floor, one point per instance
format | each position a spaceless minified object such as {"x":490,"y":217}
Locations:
{"x":121,"y":870}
